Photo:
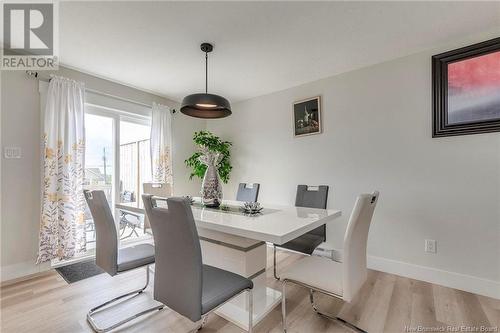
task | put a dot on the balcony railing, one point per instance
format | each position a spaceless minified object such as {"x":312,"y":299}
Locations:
{"x":135,"y":168}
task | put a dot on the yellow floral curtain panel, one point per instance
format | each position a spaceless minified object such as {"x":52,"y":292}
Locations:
{"x":161,"y":144}
{"x":62,"y":225}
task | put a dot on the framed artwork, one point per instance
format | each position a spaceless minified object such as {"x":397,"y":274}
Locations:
{"x":307,"y":117}
{"x":466,"y":90}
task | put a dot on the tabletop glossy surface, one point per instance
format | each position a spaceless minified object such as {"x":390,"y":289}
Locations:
{"x":283,"y":224}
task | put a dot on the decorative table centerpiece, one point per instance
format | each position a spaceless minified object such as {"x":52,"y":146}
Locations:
{"x":212,"y":164}
{"x":252,"y":208}
{"x":211,"y":187}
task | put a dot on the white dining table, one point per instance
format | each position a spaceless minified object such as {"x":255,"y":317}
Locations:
{"x":236,"y":242}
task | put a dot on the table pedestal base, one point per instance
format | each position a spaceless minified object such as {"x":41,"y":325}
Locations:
{"x":246,"y":257}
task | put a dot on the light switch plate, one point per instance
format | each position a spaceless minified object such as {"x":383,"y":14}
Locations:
{"x":12,"y":152}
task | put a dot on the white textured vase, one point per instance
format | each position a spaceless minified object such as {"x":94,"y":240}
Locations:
{"x":211,"y":187}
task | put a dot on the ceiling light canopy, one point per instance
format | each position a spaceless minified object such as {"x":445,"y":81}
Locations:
{"x":205,"y":105}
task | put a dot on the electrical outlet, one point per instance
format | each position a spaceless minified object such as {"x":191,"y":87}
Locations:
{"x":430,"y":246}
{"x":12,"y":152}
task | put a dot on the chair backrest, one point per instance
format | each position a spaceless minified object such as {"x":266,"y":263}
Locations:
{"x":178,"y":261}
{"x":106,"y":255}
{"x":355,"y":241}
{"x":248,"y":192}
{"x":312,"y":196}
{"x":158,"y":189}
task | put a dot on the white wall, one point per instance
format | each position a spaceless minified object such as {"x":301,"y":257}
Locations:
{"x":20,"y":178}
{"x":377,"y":136}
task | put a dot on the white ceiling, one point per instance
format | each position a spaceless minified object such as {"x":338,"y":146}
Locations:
{"x":260,"y":47}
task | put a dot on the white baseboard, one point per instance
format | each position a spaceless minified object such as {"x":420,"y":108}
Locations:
{"x":459,"y":281}
{"x":469,"y":283}
{"x":22,"y":269}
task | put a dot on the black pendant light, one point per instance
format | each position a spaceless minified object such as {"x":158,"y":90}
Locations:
{"x":206,"y":105}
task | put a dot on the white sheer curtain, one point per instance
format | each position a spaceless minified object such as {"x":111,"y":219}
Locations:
{"x":161,"y":144}
{"x":62,"y":225}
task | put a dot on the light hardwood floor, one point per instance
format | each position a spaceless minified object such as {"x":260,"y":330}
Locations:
{"x":386,"y":303}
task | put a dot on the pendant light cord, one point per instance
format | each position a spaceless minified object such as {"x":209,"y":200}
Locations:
{"x":206,"y":72}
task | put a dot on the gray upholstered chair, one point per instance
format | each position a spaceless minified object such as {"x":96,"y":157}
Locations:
{"x":112,"y":259}
{"x":328,"y":277}
{"x":182,"y":282}
{"x":312,"y":197}
{"x":248,"y":192}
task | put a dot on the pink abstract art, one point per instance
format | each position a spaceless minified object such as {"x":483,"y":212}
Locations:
{"x":474,"y":89}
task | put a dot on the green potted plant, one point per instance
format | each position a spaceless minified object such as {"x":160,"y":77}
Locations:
{"x":211,"y":162}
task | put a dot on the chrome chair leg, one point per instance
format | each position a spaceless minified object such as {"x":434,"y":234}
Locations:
{"x":250,"y":310}
{"x":100,"y":307}
{"x":311,"y":299}
{"x":283,"y":306}
{"x":134,"y":231}
{"x":335,"y":318}
{"x":203,"y":320}
{"x":123,"y":227}
{"x":200,"y":324}
{"x":275,"y":264}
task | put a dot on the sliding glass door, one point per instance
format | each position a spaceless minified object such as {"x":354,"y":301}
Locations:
{"x":99,"y":163}
{"x":118,"y":162}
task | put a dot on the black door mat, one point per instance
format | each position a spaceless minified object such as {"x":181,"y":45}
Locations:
{"x":79,"y":271}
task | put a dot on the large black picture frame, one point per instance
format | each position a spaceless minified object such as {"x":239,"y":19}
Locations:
{"x":440,"y":126}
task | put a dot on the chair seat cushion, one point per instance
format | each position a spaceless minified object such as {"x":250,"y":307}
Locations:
{"x":219,"y":286}
{"x":305,"y":243}
{"x":321,"y":273}
{"x":135,"y":256}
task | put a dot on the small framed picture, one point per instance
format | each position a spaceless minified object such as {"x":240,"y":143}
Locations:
{"x":307,"y":116}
